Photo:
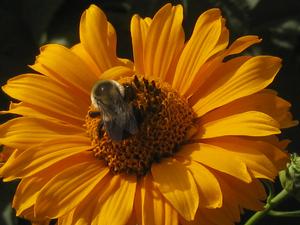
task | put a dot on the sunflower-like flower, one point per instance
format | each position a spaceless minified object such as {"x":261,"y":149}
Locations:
{"x":203,"y":126}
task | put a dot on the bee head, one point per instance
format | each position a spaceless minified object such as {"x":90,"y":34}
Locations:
{"x":105,"y":91}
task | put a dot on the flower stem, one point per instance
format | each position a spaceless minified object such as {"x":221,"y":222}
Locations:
{"x":295,"y":213}
{"x":268,"y":207}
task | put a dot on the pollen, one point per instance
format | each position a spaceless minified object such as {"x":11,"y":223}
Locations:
{"x":164,"y":121}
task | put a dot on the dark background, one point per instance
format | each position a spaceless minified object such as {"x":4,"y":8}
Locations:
{"x":25,"y":25}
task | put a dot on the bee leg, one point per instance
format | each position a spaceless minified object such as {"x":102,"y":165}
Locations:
{"x":94,"y":114}
{"x":100,"y":130}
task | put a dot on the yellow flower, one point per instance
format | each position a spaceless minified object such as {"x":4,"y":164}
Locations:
{"x":206,"y":126}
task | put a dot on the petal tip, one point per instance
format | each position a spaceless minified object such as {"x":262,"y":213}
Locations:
{"x":214,"y":12}
{"x":93,"y":7}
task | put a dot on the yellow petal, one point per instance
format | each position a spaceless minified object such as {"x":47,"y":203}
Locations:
{"x":67,"y":67}
{"x":48,"y":97}
{"x":164,"y":41}
{"x":127,"y":62}
{"x":223,"y":38}
{"x":67,"y":219}
{"x":150,"y":206}
{"x":200,"y":219}
{"x":27,"y":192}
{"x":56,"y":78}
{"x":265,"y":101}
{"x":86,"y":212}
{"x":237,"y":78}
{"x":195,"y":89}
{"x":274,"y":140}
{"x":250,"y":152}
{"x":203,"y":219}
{"x":28,"y":213}
{"x":246,"y":195}
{"x":111,"y":37}
{"x":210,"y":66}
{"x":69,"y":188}
{"x":117,"y":208}
{"x":171,"y":216}
{"x":29,"y":188}
{"x":23,"y":132}
{"x":96,"y":38}
{"x":206,"y":154}
{"x":7,"y":156}
{"x":232,"y":210}
{"x":201,"y":46}
{"x":242,"y":43}
{"x":139,"y":30}
{"x":270,"y":146}
{"x":251,"y":123}
{"x":25,"y":109}
{"x":132,"y":219}
{"x":211,"y":75}
{"x":177,"y":185}
{"x":116,"y":73}
{"x":215,"y":216}
{"x":79,"y":50}
{"x":41,"y":156}
{"x":210,"y":195}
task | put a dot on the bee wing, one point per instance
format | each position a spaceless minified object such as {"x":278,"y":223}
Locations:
{"x":121,"y":118}
{"x":114,"y":130}
{"x":131,"y":123}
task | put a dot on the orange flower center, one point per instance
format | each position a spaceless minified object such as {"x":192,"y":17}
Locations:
{"x":163,"y":118}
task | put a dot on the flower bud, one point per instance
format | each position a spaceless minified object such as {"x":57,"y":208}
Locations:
{"x":290,"y":177}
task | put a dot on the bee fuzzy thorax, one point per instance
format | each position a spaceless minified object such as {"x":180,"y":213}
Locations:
{"x":163,"y":120}
{"x":104,"y":90}
{"x":108,"y":96}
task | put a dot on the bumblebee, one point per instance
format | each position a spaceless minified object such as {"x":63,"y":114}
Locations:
{"x":112,"y":103}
